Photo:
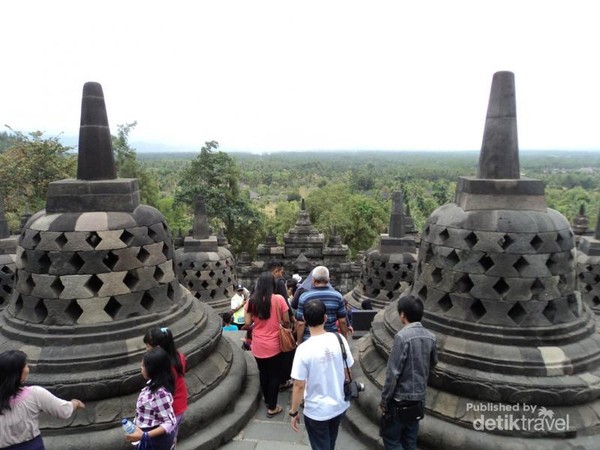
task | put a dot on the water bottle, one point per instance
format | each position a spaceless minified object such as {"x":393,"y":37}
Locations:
{"x":128,"y":426}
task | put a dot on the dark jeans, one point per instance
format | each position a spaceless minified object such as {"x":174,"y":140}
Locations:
{"x":400,"y":435}
{"x":322,"y":433}
{"x":270,"y":375}
{"x":34,"y":444}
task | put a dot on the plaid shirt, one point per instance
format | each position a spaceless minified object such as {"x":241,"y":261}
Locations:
{"x":155,"y":409}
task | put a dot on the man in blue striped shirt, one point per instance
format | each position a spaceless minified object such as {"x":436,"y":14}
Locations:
{"x":332,"y":299}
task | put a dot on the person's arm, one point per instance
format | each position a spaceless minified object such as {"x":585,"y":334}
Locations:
{"x":247,"y":319}
{"x":343,"y":327}
{"x":297,"y":394}
{"x":283,"y":308}
{"x":300,"y":326}
{"x":394,"y":369}
{"x":54,"y":406}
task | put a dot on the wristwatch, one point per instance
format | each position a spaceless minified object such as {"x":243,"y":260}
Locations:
{"x":293,"y":414}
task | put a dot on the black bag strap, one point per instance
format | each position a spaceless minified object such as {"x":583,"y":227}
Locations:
{"x":337,"y":335}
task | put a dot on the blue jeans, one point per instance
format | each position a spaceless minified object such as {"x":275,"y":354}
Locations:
{"x":322,"y":433}
{"x":399,"y":435}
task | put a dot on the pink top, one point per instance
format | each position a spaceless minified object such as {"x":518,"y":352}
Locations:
{"x":20,"y":423}
{"x":265,"y":334}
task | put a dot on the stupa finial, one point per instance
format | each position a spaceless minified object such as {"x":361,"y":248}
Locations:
{"x":4,"y":231}
{"x":303,"y":205}
{"x":499,"y":157}
{"x":396,"y":228}
{"x":95,"y":160}
{"x":201,"y":229}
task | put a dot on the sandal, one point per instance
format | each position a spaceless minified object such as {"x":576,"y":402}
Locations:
{"x":277,"y":410}
{"x":288,"y":384}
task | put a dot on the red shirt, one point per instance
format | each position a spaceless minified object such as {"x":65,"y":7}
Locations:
{"x":181,"y":393}
{"x":265,"y":334}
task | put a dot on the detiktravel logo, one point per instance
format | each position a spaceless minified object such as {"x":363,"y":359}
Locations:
{"x":517,"y":417}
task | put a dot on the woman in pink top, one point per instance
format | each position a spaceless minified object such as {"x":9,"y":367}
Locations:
{"x":20,"y":406}
{"x":263,"y":310}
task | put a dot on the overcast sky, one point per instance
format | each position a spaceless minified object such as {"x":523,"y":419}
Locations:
{"x":282,"y":75}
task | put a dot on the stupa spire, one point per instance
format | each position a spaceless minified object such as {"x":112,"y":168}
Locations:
{"x":4,"y":231}
{"x":499,"y":157}
{"x":95,"y":160}
{"x":201,"y":229}
{"x":397,"y":216}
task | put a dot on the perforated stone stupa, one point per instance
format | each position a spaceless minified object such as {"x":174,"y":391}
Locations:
{"x":588,"y":269}
{"x":8,"y":249}
{"x":203,"y":266}
{"x":389,"y":266}
{"x":496,"y":272}
{"x":95,"y":270}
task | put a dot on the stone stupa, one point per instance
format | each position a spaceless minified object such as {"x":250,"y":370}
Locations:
{"x":8,"y":250}
{"x":203,"y":266}
{"x":588,"y":269}
{"x":389,"y":266}
{"x":496,"y":273}
{"x":94,"y":272}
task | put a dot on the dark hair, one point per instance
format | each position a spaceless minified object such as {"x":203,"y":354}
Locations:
{"x":314,"y":312}
{"x":163,"y":338}
{"x":12,"y":363}
{"x":412,"y":307}
{"x":260,"y":300}
{"x":226,"y":318}
{"x":292,"y":284}
{"x":366,"y":305}
{"x":158,"y":368}
{"x":274,"y":264}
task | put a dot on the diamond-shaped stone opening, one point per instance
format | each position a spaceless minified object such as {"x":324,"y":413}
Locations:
{"x":131,"y":280}
{"x":444,"y":235}
{"x":94,"y":284}
{"x":486,"y":262}
{"x":397,"y":286}
{"x":552,"y":265}
{"x":44,"y":262}
{"x":464,"y":284}
{"x":40,"y":310}
{"x":152,"y":234}
{"x":404,"y":275}
{"x":517,"y":313}
{"x":501,"y":286}
{"x":110,"y":260}
{"x":35,"y":240}
{"x":29,"y":284}
{"x":190,"y":284}
{"x":477,"y":309}
{"x":211,"y":274}
{"x":445,"y":302}
{"x":559,"y":239}
{"x":395,"y":267}
{"x":520,"y":265}
{"x":7,"y":288}
{"x":112,"y":307}
{"x":428,"y":254}
{"x":61,"y":240}
{"x":389,"y":275}
{"x":143,"y":255}
{"x":24,"y":258}
{"x":218,"y":264}
{"x":376,"y":292}
{"x":369,"y":281}
{"x":381,"y":284}
{"x":165,"y":250}
{"x":6,"y":270}
{"x":573,"y":304}
{"x":389,"y":295}
{"x":536,"y":242}
{"x":505,"y":241}
{"x":57,"y":286}
{"x":76,"y":262}
{"x":19,"y":304}
{"x":171,"y":293}
{"x":423,"y":293}
{"x":550,"y":311}
{"x":596,"y":300}
{"x":126,"y":237}
{"x":73,"y":311}
{"x":452,"y":258}
{"x":471,"y":240}
{"x":219,"y":282}
{"x":198,"y":274}
{"x":436,"y":275}
{"x":213,"y":293}
{"x":198,"y":295}
{"x":597,"y":279}
{"x":562,"y":280}
{"x":204,"y":284}
{"x":427,"y":228}
{"x":147,"y":301}
{"x":587,"y":288}
{"x":537,"y":287}
{"x":93,"y":239}
{"x":158,"y":274}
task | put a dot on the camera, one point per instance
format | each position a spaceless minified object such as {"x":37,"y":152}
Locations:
{"x":351,"y":389}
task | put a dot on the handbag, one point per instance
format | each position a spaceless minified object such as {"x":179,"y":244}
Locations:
{"x":287,"y":343}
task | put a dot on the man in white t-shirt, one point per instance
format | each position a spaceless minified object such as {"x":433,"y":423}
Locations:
{"x":237,"y":307}
{"x":319,"y":374}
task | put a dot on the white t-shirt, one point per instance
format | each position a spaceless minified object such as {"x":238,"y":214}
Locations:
{"x":319,"y":362}
{"x":238,"y":316}
{"x":20,"y":424}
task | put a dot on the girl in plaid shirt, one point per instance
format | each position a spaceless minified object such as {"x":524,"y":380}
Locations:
{"x":154,"y":414}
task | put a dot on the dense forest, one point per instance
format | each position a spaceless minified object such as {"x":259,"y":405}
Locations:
{"x":249,"y":195}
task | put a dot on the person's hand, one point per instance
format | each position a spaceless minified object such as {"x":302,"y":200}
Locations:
{"x":77,"y":404}
{"x":350,"y":329}
{"x":135,"y":436}
{"x":382,"y":409}
{"x":294,"y":422}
